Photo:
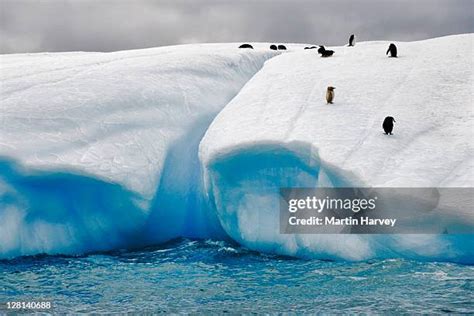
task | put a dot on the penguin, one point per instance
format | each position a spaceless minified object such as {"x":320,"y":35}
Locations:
{"x":388,"y":125}
{"x":310,"y":47}
{"x":281,"y":47}
{"x":392,"y":49}
{"x":246,"y":46}
{"x":273,"y":47}
{"x":327,"y":53}
{"x":352,"y":40}
{"x":330,"y":95}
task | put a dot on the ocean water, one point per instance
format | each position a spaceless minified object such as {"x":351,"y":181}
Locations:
{"x":188,"y":276}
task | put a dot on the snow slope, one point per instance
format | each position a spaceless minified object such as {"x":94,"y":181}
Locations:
{"x":102,"y":151}
{"x":279,"y":132}
{"x":99,"y":150}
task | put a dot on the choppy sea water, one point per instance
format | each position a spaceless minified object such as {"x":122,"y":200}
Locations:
{"x":215,"y":277}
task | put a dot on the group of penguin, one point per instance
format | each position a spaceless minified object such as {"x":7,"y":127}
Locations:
{"x":272,"y":47}
{"x":387,"y":124}
{"x":392,"y":49}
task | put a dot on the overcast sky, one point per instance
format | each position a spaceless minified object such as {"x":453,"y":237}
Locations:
{"x":108,"y":25}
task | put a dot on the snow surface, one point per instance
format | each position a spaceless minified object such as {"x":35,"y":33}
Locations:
{"x":100,"y":151}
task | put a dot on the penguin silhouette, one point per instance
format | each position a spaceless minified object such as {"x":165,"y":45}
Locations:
{"x":281,"y":47}
{"x":352,"y":40}
{"x":246,"y":46}
{"x":273,"y":47}
{"x":392,"y":49}
{"x":388,"y":125}
{"x":325,"y":52}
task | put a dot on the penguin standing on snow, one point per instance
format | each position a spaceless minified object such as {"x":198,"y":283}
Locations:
{"x":392,"y":49}
{"x":352,"y":40}
{"x":330,"y":94}
{"x":388,"y":125}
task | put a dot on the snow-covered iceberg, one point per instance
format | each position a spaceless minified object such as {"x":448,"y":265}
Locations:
{"x":279,"y":132}
{"x":102,"y":151}
{"x":99,"y":150}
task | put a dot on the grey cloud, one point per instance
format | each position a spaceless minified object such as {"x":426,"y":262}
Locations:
{"x":107,"y":25}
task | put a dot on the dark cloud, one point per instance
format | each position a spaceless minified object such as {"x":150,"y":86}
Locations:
{"x":108,"y":25}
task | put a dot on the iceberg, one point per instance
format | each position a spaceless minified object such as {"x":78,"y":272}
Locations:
{"x":99,"y":151}
{"x":279,"y":132}
{"x":102,"y":151}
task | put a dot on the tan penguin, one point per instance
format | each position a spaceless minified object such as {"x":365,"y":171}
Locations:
{"x":330,"y":94}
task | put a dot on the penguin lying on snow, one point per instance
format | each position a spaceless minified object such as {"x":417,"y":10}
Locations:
{"x":246,"y":46}
{"x":281,"y":47}
{"x":310,"y":47}
{"x":324,"y":52}
{"x":273,"y":47}
{"x":392,"y":49}
{"x":327,"y":53}
{"x":388,"y":125}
